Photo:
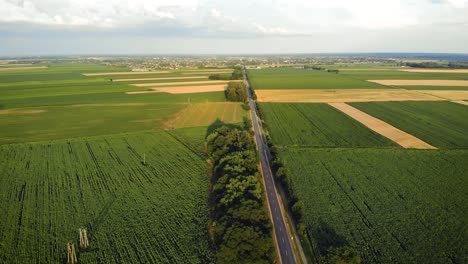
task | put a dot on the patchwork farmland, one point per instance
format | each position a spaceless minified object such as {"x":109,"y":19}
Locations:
{"x":91,"y":173}
{"x":360,"y":190}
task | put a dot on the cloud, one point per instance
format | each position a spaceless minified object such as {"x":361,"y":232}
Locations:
{"x":318,"y":21}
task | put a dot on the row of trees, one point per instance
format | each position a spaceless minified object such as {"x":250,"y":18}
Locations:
{"x":236,"y":92}
{"x":317,"y":68}
{"x":240,"y":226}
{"x":235,"y":75}
{"x":431,"y":64}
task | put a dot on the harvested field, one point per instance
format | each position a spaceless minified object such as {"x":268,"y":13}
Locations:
{"x":461,"y":102}
{"x":212,"y":72}
{"x":422,"y":82}
{"x":123,"y":73}
{"x":446,"y":94}
{"x":155,"y":79}
{"x":349,"y":95}
{"x":436,"y":70}
{"x":398,"y":136}
{"x":209,"y":70}
{"x":192,"y":89}
{"x":22,"y":68}
{"x":184,"y":89}
{"x":178,"y":83}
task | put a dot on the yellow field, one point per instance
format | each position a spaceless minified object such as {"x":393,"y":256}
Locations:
{"x":123,"y":73}
{"x":396,"y":135}
{"x":205,"y":114}
{"x":178,"y":83}
{"x":184,"y":89}
{"x":358,"y":95}
{"x":162,"y":78}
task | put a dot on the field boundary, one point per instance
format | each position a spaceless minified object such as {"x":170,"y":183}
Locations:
{"x":398,"y":136}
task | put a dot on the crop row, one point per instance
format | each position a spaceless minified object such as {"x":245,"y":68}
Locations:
{"x":410,"y":213}
{"x":135,"y":213}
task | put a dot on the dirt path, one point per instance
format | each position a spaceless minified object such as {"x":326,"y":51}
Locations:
{"x":224,"y":112}
{"x":398,"y":136}
{"x":234,"y":114}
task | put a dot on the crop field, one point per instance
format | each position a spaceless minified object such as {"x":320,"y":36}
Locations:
{"x":317,"y":125}
{"x":205,"y":114}
{"x":442,"y":124}
{"x":359,"y":189}
{"x":290,"y":78}
{"x":411,"y":213}
{"x":59,"y":122}
{"x":60,"y":102}
{"x":134,"y":213}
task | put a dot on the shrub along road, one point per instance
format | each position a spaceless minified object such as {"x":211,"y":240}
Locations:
{"x":285,"y":249}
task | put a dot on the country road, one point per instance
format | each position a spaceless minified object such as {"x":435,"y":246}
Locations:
{"x":284,"y":244}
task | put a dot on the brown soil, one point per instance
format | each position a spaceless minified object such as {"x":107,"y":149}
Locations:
{"x":422,"y":82}
{"x":398,"y":136}
{"x":155,"y":79}
{"x":123,"y":73}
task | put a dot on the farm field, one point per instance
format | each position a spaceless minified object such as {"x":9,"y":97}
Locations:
{"x":205,"y":114}
{"x":357,"y":95}
{"x":291,"y":78}
{"x":442,"y":124}
{"x":317,"y":125}
{"x":71,"y":153}
{"x":134,"y":213}
{"x":360,"y":190}
{"x":413,"y":212}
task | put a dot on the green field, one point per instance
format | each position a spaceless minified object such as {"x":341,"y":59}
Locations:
{"x":317,"y":125}
{"x":134,"y":213}
{"x":358,"y":190}
{"x":441,"y":124}
{"x":71,"y":153}
{"x":392,"y":206}
{"x":291,"y":78}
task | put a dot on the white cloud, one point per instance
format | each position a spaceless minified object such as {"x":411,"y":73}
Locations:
{"x":263,"y":17}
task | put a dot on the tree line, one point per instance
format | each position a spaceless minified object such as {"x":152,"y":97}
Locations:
{"x":236,"y":92}
{"x":235,"y":75}
{"x":240,"y":226}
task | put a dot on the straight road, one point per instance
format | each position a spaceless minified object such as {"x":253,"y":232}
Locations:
{"x":282,"y":236}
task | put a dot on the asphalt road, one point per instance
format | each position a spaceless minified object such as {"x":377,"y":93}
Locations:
{"x":282,"y":236}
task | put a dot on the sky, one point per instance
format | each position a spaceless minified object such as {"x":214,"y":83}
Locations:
{"x":85,"y":27}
